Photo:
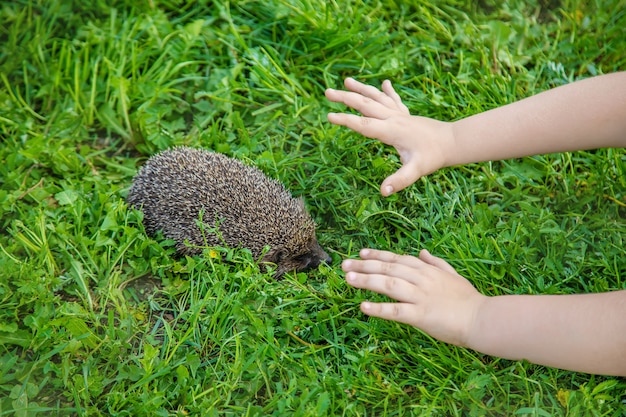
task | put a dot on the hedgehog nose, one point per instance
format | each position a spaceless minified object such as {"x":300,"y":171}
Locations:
{"x":317,"y":259}
{"x":324,"y":257}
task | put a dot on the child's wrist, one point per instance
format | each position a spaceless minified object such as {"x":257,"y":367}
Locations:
{"x":451,"y":144}
{"x":474,"y":333}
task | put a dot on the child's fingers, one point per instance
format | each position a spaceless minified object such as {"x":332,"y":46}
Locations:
{"x":370,"y":92}
{"x":389,"y":91}
{"x":435,"y":261}
{"x":374,"y":266}
{"x":425,"y":257}
{"x":367,"y":126}
{"x":363,"y":104}
{"x":390,"y":257}
{"x":365,"y":268}
{"x":400,"y":312}
{"x":395,"y":288}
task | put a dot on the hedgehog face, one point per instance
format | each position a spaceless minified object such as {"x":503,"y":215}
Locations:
{"x":297,"y":248}
{"x":309,"y":257}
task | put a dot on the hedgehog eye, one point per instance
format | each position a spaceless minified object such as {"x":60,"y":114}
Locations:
{"x":304,"y":259}
{"x":278,"y":256}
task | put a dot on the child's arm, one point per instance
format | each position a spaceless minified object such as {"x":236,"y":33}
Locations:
{"x":586,"y":114}
{"x":585,"y":333}
{"x":579,"y":332}
{"x":582,"y":115}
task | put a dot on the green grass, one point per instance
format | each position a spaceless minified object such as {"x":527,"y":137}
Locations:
{"x":98,"y":319}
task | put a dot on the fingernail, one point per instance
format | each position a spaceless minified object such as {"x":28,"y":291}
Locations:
{"x":350,"y":277}
{"x":388,"y":190}
{"x":364,"y":252}
{"x":366,"y":306}
{"x":346,"y":264}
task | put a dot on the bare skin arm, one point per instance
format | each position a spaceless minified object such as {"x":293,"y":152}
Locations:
{"x":583,"y":115}
{"x":585,"y":333}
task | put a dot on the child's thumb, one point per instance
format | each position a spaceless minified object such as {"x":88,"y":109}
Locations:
{"x":399,"y":180}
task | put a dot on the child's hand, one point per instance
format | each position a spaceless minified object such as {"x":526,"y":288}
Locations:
{"x":432,"y":295}
{"x":421,"y":142}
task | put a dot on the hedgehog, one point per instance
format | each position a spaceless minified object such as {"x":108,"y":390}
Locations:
{"x":237,"y":204}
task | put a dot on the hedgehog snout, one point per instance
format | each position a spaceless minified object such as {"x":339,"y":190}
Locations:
{"x":327,"y":259}
{"x":314,"y":262}
{"x":312,"y":258}
{"x":318,"y":255}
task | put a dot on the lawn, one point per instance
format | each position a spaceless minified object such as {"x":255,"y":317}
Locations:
{"x":98,"y":319}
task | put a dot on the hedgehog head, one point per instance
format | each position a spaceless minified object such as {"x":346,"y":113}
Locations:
{"x":300,"y":250}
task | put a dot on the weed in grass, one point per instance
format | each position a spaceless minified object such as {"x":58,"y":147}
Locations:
{"x":99,"y":319}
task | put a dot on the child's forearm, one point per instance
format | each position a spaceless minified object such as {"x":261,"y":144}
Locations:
{"x":583,"y":115}
{"x":585,"y":333}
